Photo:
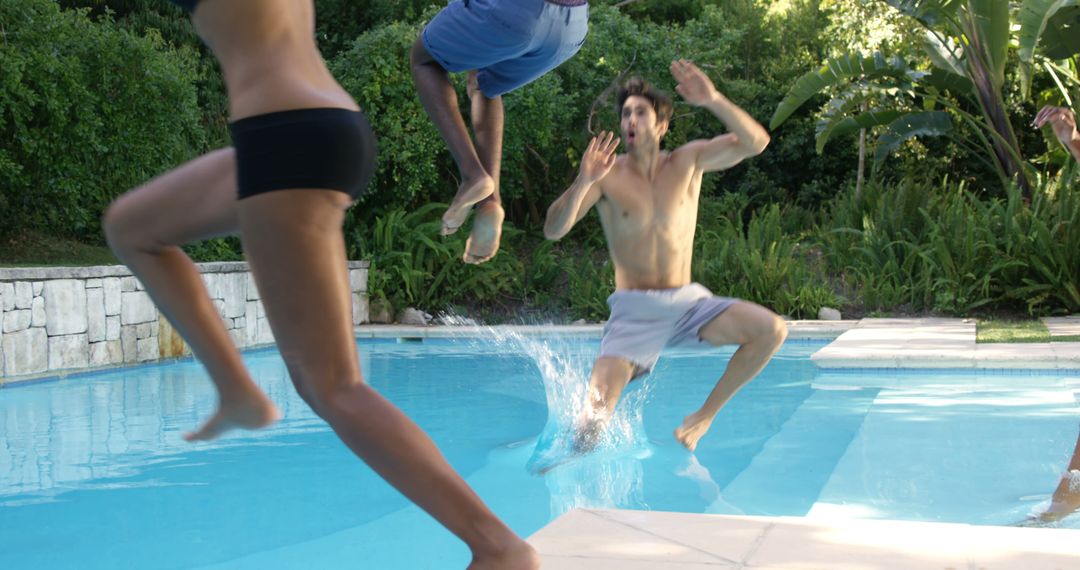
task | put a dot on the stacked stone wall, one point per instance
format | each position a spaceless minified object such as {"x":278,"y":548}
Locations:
{"x":61,"y":319}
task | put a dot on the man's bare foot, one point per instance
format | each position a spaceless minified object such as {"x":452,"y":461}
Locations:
{"x":520,"y":556}
{"x":693,"y":427}
{"x":255,"y":412}
{"x":483,"y":242}
{"x":469,"y":193}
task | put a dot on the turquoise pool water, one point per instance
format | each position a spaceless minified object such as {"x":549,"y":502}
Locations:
{"x":93,"y":473}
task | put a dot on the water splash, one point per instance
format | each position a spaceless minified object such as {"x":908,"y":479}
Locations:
{"x":610,"y":474}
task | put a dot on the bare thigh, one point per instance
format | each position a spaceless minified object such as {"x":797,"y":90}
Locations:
{"x":742,"y":322}
{"x":296,"y":252}
{"x":195,"y":201}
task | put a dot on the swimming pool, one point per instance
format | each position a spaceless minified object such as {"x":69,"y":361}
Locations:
{"x":93,"y":473}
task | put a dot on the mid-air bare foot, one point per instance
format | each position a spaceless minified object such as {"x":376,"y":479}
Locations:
{"x":483,"y":242}
{"x":693,"y":427}
{"x":469,"y":193}
{"x":519,"y":556}
{"x":255,"y":411}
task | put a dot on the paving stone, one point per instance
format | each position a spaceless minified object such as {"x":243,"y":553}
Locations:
{"x":68,"y":352}
{"x":147,"y":349}
{"x":112,"y":328}
{"x":17,"y":320}
{"x":65,"y":307}
{"x":37,"y":312}
{"x":7,"y":296}
{"x":23,"y":352}
{"x":137,"y":308}
{"x":24,"y":294}
{"x":113,"y":290}
{"x":95,"y":315}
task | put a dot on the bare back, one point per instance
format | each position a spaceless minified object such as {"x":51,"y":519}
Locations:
{"x":650,"y":224}
{"x":268,"y":56}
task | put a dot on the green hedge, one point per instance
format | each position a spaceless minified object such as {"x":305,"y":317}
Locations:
{"x":87,"y":111}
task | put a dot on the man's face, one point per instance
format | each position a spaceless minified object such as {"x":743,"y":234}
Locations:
{"x":638,"y":124}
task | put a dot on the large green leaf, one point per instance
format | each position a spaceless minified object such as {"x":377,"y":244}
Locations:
{"x":840,"y":126}
{"x":836,"y":71}
{"x":1034,"y":17}
{"x":992,"y":22}
{"x":926,"y":123}
{"x":945,"y":55}
{"x":951,"y":82}
{"x":932,"y":13}
{"x":1061,"y":39}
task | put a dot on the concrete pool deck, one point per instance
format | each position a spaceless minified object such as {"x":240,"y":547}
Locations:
{"x":631,"y":540}
{"x":639,"y":540}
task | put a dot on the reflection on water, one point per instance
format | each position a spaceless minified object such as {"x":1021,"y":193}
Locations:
{"x":57,"y":440}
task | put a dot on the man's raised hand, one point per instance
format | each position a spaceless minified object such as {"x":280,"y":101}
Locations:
{"x":599,"y":157}
{"x":694,"y":86}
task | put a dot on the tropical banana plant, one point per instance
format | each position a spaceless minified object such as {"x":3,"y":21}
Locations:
{"x":967,"y":43}
{"x":1056,"y":25}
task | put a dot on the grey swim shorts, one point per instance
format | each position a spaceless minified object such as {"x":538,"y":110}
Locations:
{"x":644,"y":321}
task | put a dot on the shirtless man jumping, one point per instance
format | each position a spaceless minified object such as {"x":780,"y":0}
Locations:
{"x":648,"y":203}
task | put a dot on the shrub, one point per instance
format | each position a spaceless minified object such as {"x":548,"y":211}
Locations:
{"x":87,"y":111}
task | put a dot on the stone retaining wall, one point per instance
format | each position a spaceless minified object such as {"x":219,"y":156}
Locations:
{"x":69,"y":318}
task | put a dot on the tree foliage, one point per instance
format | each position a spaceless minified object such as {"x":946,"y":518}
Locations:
{"x":87,"y":111}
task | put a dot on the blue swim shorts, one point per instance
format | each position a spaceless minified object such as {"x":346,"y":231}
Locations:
{"x":509,"y":42}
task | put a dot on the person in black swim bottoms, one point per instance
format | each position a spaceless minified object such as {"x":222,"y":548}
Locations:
{"x":302,"y":152}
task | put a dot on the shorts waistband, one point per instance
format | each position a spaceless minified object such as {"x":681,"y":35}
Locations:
{"x":278,"y":118}
{"x":570,"y":3}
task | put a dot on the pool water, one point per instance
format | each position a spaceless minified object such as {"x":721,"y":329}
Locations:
{"x":94,"y":474}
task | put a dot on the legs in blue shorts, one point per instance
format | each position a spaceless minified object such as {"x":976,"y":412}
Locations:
{"x":503,"y":44}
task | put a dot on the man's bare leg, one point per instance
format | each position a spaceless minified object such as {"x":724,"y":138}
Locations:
{"x":144,"y":228}
{"x":441,"y":103}
{"x":1066,"y":498}
{"x":759,"y":333}
{"x":296,"y":251}
{"x":487,"y":121}
{"x":610,"y":375}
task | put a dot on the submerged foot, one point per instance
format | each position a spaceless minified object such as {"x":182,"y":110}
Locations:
{"x":519,"y":556}
{"x":255,"y":412}
{"x":483,"y":242}
{"x":469,"y":193}
{"x":691,"y":430}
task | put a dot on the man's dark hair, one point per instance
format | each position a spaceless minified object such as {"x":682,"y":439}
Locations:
{"x":661,"y":101}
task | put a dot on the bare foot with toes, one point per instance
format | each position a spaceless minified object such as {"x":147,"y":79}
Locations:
{"x":483,"y":242}
{"x":255,"y":412}
{"x":691,"y":430}
{"x":469,"y":193}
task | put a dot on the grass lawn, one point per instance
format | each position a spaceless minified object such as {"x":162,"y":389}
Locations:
{"x":41,"y":250}
{"x":989,"y":330}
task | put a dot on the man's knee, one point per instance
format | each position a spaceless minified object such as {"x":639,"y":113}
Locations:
{"x":745,"y":323}
{"x":766,"y":327}
{"x":774,"y":329}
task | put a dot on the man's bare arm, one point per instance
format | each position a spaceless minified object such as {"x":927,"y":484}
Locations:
{"x":585,"y":192}
{"x":747,"y":137}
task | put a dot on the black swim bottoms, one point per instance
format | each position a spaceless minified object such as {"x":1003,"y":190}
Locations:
{"x":332,"y":149}
{"x":188,"y":5}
